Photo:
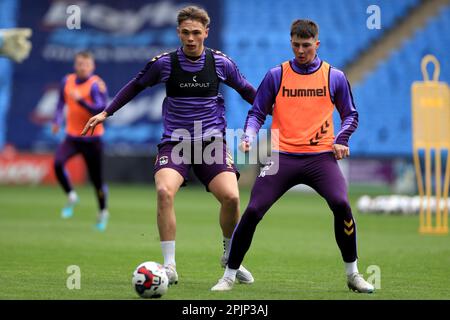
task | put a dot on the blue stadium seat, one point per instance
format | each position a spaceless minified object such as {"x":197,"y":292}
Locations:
{"x":392,"y":80}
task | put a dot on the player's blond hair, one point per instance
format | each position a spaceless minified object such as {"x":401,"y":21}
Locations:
{"x":193,"y":13}
{"x":85,"y":54}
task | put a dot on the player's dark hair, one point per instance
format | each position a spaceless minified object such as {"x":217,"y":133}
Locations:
{"x":193,"y":13}
{"x":304,"y":29}
{"x":85,"y":54}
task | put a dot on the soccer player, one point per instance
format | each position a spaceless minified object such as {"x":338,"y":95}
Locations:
{"x":85,"y":95}
{"x":300,"y":94}
{"x":191,"y":74}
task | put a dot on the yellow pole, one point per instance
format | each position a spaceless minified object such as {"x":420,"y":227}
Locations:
{"x":445,"y":194}
{"x":437,"y":177}
{"x":420,"y":187}
{"x":428,"y":227}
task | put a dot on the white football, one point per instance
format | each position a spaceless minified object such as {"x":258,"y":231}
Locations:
{"x":150,"y":280}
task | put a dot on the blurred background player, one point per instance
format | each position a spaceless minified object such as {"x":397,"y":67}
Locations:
{"x":300,"y":95}
{"x":192,"y":75}
{"x":14,"y":43}
{"x":85,"y":95}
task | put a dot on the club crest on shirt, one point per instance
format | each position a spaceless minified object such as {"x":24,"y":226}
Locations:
{"x":266,"y":168}
{"x":163,"y":160}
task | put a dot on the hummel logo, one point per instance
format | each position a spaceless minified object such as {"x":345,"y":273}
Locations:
{"x":300,"y":92}
{"x":348,"y":229}
{"x":315,"y":141}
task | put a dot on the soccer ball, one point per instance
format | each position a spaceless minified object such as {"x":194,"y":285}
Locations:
{"x":150,"y":280}
{"x":364,"y":204}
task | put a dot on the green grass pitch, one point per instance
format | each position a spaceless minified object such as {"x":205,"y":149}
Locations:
{"x":293,"y":255}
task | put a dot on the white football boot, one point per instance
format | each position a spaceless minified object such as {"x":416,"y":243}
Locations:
{"x":356,"y":282}
{"x":224,"y":284}
{"x":243,"y":275}
{"x":172,"y":274}
{"x":72,"y":200}
{"x":102,"y":220}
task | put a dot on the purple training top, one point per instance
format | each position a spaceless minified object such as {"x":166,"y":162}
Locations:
{"x":340,"y":91}
{"x":181,"y":112}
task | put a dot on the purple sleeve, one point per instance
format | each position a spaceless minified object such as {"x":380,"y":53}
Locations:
{"x":125,"y":95}
{"x":229,"y":73}
{"x":153,"y":73}
{"x":156,"y":71}
{"x":99,"y":100}
{"x":264,"y":100}
{"x":59,"y":113}
{"x":343,"y":99}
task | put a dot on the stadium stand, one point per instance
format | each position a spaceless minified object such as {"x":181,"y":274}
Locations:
{"x":383,"y":97}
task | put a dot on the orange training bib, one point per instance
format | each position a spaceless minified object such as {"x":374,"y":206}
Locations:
{"x":77,"y":115}
{"x":303,"y":112}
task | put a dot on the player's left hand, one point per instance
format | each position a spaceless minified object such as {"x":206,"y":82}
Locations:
{"x":340,"y":151}
{"x":245,"y":146}
{"x":246,"y":142}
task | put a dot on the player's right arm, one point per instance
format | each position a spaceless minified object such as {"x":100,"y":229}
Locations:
{"x":59,"y":113}
{"x":147,"y":77}
{"x":262,"y":106}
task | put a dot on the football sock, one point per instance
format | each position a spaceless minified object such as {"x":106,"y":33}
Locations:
{"x":73,"y":197}
{"x":230,"y":273}
{"x":102,"y":196}
{"x":226,"y":247}
{"x":351,"y":267}
{"x":104,"y":213}
{"x":168,"y":251}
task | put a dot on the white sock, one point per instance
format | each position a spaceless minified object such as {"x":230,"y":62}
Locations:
{"x":226,"y":247}
{"x":168,"y":251}
{"x":73,"y":197}
{"x":351,"y":267}
{"x":230,"y":273}
{"x":104,"y":212}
